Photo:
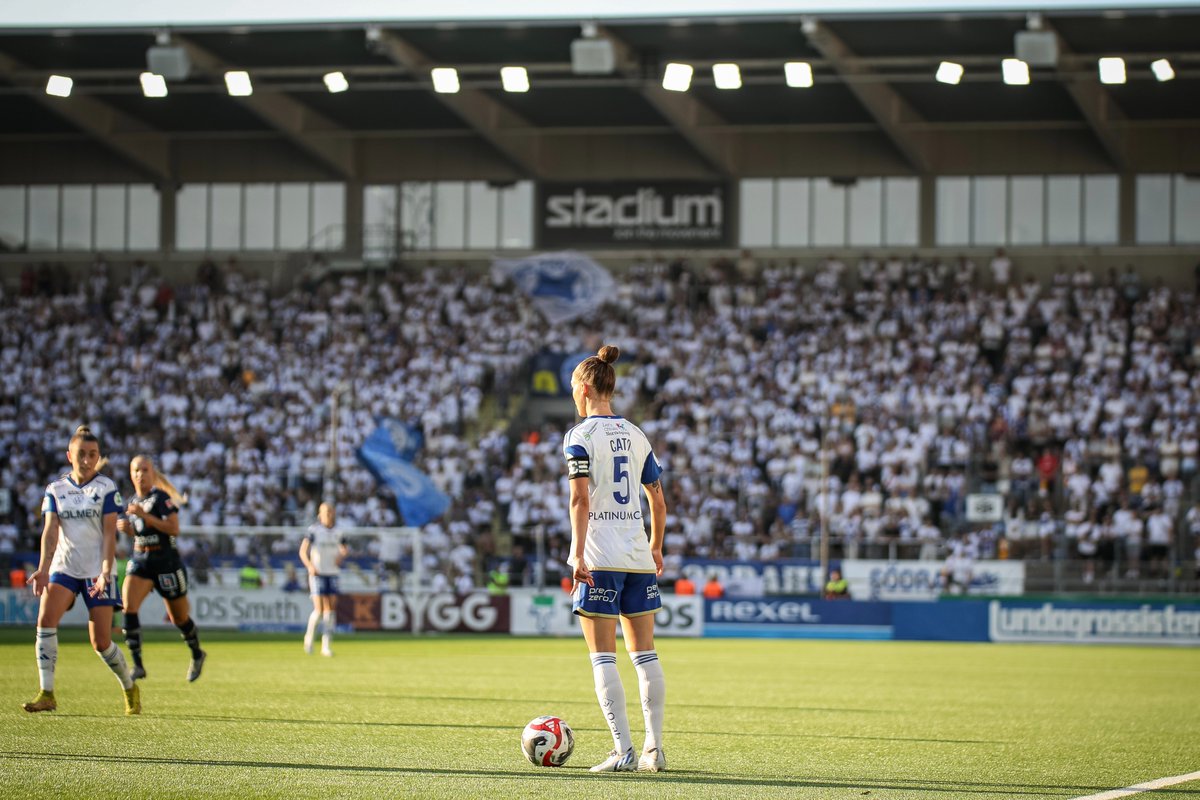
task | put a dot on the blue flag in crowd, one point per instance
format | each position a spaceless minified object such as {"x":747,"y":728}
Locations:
{"x":562,"y":286}
{"x":388,"y":454}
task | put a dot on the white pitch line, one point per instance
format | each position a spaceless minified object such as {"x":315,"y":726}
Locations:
{"x":1142,"y":787}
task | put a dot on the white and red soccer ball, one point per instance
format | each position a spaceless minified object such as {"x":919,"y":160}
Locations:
{"x":547,"y":742}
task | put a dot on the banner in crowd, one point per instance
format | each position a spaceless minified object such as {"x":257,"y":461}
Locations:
{"x":921,"y":580}
{"x":551,"y":372}
{"x":426,"y":612}
{"x":549,"y":613}
{"x":797,"y":618}
{"x":632,"y":214}
{"x":1049,"y":621}
{"x":387,"y":453}
{"x":562,"y":286}
{"x":756,"y":578}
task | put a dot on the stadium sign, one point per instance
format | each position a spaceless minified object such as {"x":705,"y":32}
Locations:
{"x":921,"y":580}
{"x":630,"y":214}
{"x":782,"y":576}
{"x":444,"y":613}
{"x":797,"y":618}
{"x":1099,"y":624}
{"x":549,"y":614}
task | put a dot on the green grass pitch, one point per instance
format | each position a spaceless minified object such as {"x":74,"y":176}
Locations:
{"x":441,"y":716}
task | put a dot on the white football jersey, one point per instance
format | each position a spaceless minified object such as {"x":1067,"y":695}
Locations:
{"x":80,"y":511}
{"x":616,"y":458}
{"x":324,"y":546}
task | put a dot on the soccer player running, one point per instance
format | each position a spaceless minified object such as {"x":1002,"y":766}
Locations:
{"x":152,"y":519}
{"x":614,"y":563}
{"x":322,"y":552}
{"x":79,"y":540}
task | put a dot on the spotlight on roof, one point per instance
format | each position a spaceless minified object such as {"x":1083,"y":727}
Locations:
{"x":514,"y":79}
{"x":727,"y":76}
{"x":1162,"y":70}
{"x":445,"y":80}
{"x":59,"y":86}
{"x":336,"y":82}
{"x":677,"y":77}
{"x":949,"y":72}
{"x":1112,"y":70}
{"x":798,"y":74}
{"x":153,"y":85}
{"x":237,"y":83}
{"x":1016,"y":72}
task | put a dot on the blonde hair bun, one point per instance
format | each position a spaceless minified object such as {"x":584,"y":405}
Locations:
{"x":609,"y":353}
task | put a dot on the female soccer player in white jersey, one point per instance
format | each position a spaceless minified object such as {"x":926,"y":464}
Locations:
{"x":79,"y":540}
{"x":614,"y":562}
{"x":323,"y":551}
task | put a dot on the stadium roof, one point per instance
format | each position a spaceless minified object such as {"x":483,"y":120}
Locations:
{"x":874,"y":108}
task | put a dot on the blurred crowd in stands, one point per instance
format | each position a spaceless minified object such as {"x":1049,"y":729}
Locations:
{"x":779,"y":395}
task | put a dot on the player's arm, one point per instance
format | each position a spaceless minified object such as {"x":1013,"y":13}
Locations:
{"x":658,"y":521}
{"x":580,"y":505}
{"x":305,"y":546}
{"x":167,"y":523}
{"x":108,"y":553}
{"x":50,"y":531}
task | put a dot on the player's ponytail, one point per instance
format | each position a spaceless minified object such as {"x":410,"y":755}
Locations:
{"x":84,"y":434}
{"x":164,"y":483}
{"x":597,"y":371}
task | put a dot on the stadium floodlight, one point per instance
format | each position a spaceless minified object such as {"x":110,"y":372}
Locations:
{"x":1112,"y":70}
{"x":59,"y":86}
{"x":514,"y":79}
{"x":445,"y":80}
{"x":1162,"y":70}
{"x":238,"y":83}
{"x":677,"y":77}
{"x":1016,"y":72}
{"x":727,"y":76}
{"x":798,"y":74}
{"x":153,"y":85}
{"x":949,"y":72}
{"x":336,"y":82}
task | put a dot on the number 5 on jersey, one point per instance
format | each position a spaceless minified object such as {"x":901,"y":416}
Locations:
{"x":621,"y":474}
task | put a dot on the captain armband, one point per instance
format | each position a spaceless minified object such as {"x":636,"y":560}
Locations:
{"x":579,"y":468}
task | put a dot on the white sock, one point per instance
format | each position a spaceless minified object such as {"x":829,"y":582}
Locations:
{"x":46,"y":649}
{"x":116,"y":662}
{"x":654,"y":693}
{"x":611,"y":695}
{"x":313,"y":619}
{"x":327,"y":627}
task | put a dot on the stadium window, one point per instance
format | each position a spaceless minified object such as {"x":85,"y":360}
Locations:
{"x":380,"y":222}
{"x":516,"y":216}
{"x":1027,"y":210}
{"x":76,"y":218}
{"x":225,"y":216}
{"x":1101,"y":209}
{"x":43,"y":218}
{"x":756,"y":212}
{"x":793,"y":212}
{"x":295,"y":215}
{"x":1154,"y":214}
{"x":865,"y":200}
{"x":1064,"y":209}
{"x":901,"y":211}
{"x":829,"y":213}
{"x":143,"y":211}
{"x":953,"y":211}
{"x":483,"y":216}
{"x":258,"y":204}
{"x":1187,"y":210}
{"x":416,"y":215}
{"x":328,"y":227}
{"x":989,"y":210}
{"x":12,"y":218}
{"x":191,"y":217}
{"x":112,"y":223}
{"x":449,"y":215}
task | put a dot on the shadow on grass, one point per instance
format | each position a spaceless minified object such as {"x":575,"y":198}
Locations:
{"x":948,"y":788}
{"x":465,"y":726}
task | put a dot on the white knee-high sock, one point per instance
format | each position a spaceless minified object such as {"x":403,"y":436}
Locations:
{"x":115,"y":659}
{"x":328,"y":623}
{"x":654,"y":693}
{"x":313,"y":619}
{"x":46,"y":649}
{"x":611,"y":695}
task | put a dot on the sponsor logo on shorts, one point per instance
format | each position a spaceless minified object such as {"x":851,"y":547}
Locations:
{"x":599,"y":595}
{"x":652,"y":591}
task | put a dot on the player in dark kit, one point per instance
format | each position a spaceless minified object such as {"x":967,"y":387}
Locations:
{"x":153,"y":521}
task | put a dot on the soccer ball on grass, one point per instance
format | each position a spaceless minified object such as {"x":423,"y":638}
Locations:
{"x":547,"y":742}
